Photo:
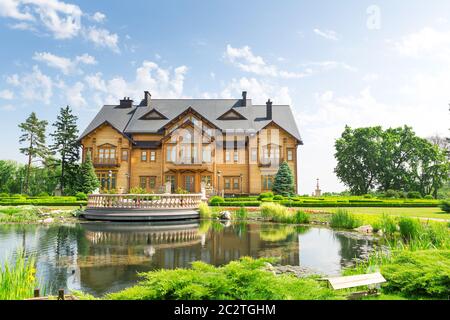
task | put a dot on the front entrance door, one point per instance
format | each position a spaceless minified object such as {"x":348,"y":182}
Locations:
{"x":189,"y":183}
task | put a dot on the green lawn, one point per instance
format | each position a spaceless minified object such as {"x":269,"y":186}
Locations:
{"x":434,"y":213}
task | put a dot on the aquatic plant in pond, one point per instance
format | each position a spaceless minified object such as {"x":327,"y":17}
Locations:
{"x":239,"y":280}
{"x":204,"y":210}
{"x":18,"y":279}
{"x":241,"y":213}
{"x":301,"y":217}
{"x":344,"y":219}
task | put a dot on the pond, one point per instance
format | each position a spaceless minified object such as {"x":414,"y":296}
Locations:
{"x":102,"y":257}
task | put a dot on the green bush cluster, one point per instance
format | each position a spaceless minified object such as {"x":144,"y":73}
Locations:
{"x":423,"y":273}
{"x":445,"y":206}
{"x":238,"y":280}
{"x":344,"y":219}
{"x":215,"y":200}
{"x":81,"y":196}
{"x":265,"y":195}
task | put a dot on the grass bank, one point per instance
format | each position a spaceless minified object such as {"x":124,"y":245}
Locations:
{"x":35,"y":214}
{"x":244,"y":279}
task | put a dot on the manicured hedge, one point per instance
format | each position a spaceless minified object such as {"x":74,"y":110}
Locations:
{"x":240,"y":199}
{"x":323,"y":204}
{"x":43,"y":203}
{"x":236,"y":204}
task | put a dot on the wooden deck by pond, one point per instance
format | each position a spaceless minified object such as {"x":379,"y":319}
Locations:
{"x":142,"y":207}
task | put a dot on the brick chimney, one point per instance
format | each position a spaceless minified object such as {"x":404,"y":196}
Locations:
{"x":126,"y":102}
{"x":269,"y":110}
{"x":147,"y":98}
{"x":244,"y":99}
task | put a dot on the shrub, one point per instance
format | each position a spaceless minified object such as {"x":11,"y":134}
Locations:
{"x":445,"y":206}
{"x":81,"y":196}
{"x":391,"y":194}
{"x":241,"y":213}
{"x":204,"y":210}
{"x":423,"y":273}
{"x":410,"y":228}
{"x":344,"y":219}
{"x":181,"y":191}
{"x":265,"y":195}
{"x":4,"y":195}
{"x":137,"y":190}
{"x":301,"y":217}
{"x":414,"y":195}
{"x":428,"y":197}
{"x":278,"y":197}
{"x":216,"y":200}
{"x":238,"y":280}
{"x":367,"y":196}
{"x":43,"y":194}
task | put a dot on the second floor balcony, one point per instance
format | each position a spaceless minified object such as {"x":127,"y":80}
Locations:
{"x":106,"y":162}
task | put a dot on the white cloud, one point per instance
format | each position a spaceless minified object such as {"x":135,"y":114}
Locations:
{"x":65,"y":65}
{"x":6,"y":95}
{"x":10,"y":9}
{"x":8,"y":107}
{"x":74,"y":95}
{"x":98,"y":17}
{"x":426,"y":43}
{"x":257,"y":90}
{"x":327,"y":34}
{"x":245,"y":60}
{"x":86,"y":59}
{"x":34,"y":86}
{"x":102,"y":38}
{"x":22,"y":26}
{"x":62,"y":20}
{"x":164,"y":83}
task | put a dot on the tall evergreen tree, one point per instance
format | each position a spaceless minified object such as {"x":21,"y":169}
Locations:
{"x":66,"y":145}
{"x":284,"y":181}
{"x":87,"y":179}
{"x":33,"y":134}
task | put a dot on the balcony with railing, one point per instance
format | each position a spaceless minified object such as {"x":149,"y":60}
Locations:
{"x":106,"y":162}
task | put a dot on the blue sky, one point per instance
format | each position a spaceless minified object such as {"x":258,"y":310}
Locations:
{"x":359,"y":62}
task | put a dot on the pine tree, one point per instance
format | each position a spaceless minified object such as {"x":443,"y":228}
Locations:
{"x":67,"y":146}
{"x":284,"y":181}
{"x":87,"y":181}
{"x":33,"y":133}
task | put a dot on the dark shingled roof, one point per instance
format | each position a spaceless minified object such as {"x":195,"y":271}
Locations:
{"x":128,"y":120}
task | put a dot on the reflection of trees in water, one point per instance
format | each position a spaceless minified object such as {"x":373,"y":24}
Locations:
{"x":351,"y":248}
{"x":57,"y":250}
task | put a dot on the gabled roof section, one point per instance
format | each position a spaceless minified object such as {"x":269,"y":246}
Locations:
{"x":115,"y":116}
{"x":232,"y":114}
{"x":153,"y":115}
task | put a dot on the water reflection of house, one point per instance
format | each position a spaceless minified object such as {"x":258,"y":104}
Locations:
{"x":116,"y":255}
